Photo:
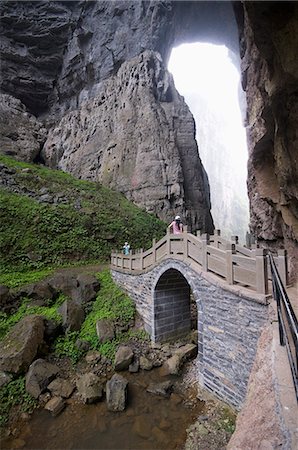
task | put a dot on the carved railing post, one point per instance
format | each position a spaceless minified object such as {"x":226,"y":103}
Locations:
{"x":141,"y":259}
{"x":230,"y":249}
{"x":154,"y":250}
{"x":205,"y":242}
{"x":261,"y":271}
{"x":283,"y":266}
{"x":235,"y":239}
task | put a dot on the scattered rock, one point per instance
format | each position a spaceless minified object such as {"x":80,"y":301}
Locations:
{"x":55,"y":406}
{"x":188,"y":351}
{"x":163,"y":389}
{"x":39,"y":376}
{"x":82,"y":345}
{"x":5,"y":378}
{"x":63,"y":283}
{"x":72,"y":315}
{"x":93,"y":357}
{"x":20,"y":345}
{"x":123,"y":358}
{"x":116,"y":390}
{"x":134,"y":367}
{"x":171,"y":366}
{"x":5,"y":298}
{"x":90,"y":388}
{"x":105,"y":330}
{"x":88,"y":286}
{"x":61,"y":388}
{"x":41,"y":292}
{"x":145,"y":363}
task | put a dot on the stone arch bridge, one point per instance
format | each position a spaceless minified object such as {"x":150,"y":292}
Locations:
{"x":229,"y":284}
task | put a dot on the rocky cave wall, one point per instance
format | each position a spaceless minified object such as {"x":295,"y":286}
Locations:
{"x":92,"y":74}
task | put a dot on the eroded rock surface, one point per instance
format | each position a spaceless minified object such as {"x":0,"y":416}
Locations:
{"x":136,"y":135}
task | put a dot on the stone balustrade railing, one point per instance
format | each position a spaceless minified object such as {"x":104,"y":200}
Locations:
{"x":228,"y":260}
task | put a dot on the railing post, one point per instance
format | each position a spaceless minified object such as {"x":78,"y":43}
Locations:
{"x":130,"y":260}
{"x":282,"y":266}
{"x":168,"y":244}
{"x":154,"y":250}
{"x":205,"y":242}
{"x":235,"y":239}
{"x":216,"y":238}
{"x":261,"y":271}
{"x":230,"y":250}
{"x":141,"y":259}
{"x":185,"y":246}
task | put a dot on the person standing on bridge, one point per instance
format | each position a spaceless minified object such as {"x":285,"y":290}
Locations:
{"x":126,"y":248}
{"x":176,"y":226}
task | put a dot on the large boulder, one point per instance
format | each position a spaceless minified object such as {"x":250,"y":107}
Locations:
{"x":89,"y":387}
{"x":39,"y":292}
{"x":116,"y":389}
{"x":61,"y":388}
{"x":63,"y":283}
{"x":72,"y":315}
{"x":123,"y":358}
{"x":105,"y":330}
{"x":39,"y":376}
{"x":88,"y":286}
{"x":162,"y":389}
{"x":20,"y":346}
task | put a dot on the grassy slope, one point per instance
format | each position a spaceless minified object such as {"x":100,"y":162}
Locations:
{"x":37,"y":235}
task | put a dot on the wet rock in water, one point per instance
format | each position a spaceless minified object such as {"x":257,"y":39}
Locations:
{"x":5,"y":378}
{"x":145,"y":363}
{"x":61,"y":388}
{"x":123,"y":358}
{"x":72,"y":315}
{"x":163,"y":389}
{"x":39,"y":376}
{"x":134,"y":367}
{"x":55,"y":406}
{"x":93,"y":357}
{"x":19,"y":347}
{"x":89,"y":388}
{"x":116,"y":391}
{"x":105,"y":330}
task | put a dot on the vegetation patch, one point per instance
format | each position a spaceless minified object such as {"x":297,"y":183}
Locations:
{"x":14,"y":394}
{"x":84,"y":226}
{"x":49,"y":312}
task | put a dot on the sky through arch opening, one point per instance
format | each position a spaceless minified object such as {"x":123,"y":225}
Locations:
{"x":209,"y":79}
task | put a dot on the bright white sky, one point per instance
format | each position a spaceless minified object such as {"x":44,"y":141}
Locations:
{"x":206,"y":70}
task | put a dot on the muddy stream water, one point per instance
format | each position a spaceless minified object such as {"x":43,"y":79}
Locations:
{"x":149,"y":421}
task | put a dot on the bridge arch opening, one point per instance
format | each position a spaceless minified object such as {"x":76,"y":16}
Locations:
{"x":174,"y":308}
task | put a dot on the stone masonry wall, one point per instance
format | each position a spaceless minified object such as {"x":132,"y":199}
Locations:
{"x":228,"y":327}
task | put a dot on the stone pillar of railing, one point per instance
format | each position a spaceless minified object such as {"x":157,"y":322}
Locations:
{"x":216,"y":238}
{"x":261,"y":271}
{"x":234,"y":239}
{"x":282,"y":266}
{"x":141,"y":259}
{"x":154,"y":250}
{"x":230,"y":250}
{"x":185,"y":247}
{"x":205,"y":241}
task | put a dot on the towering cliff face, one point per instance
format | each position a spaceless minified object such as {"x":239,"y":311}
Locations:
{"x":59,"y":57}
{"x":136,"y":135}
{"x":269,"y":45}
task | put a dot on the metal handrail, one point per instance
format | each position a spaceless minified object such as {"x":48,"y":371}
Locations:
{"x":287,"y":322}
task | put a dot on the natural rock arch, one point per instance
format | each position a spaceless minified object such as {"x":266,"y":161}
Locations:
{"x":57,"y":54}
